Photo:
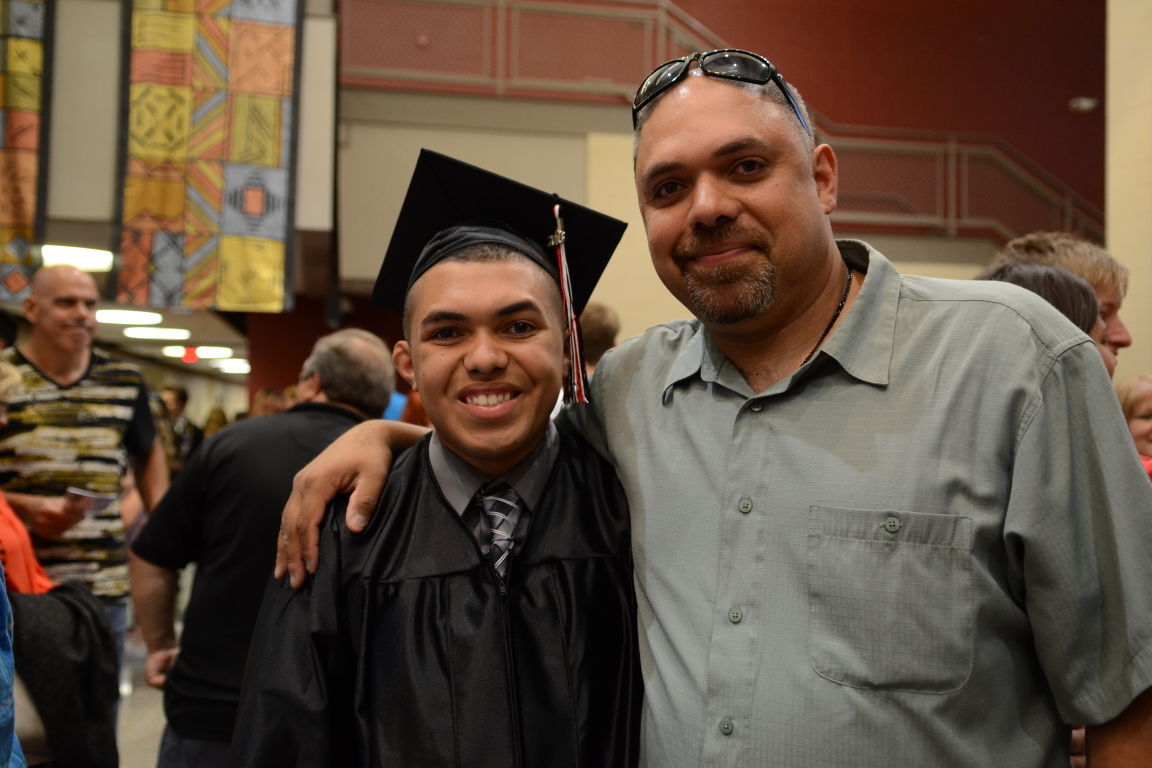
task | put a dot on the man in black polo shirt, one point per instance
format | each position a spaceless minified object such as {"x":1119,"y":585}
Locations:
{"x":222,"y":513}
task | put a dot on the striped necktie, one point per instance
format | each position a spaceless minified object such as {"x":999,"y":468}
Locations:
{"x":502,"y":508}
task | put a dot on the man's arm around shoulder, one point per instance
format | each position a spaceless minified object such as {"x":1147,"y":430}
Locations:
{"x":356,"y":463}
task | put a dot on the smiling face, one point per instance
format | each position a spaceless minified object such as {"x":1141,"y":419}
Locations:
{"x":62,"y":309}
{"x":734,"y":203}
{"x":486,"y":352}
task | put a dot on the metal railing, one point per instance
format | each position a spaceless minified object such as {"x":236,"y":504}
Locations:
{"x":951,"y":185}
{"x":536,"y":48}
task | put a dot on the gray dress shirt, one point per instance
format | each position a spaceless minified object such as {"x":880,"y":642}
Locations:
{"x":926,"y":547}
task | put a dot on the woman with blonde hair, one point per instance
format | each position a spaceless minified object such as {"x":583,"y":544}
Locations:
{"x":216,"y":421}
{"x":1136,"y":401}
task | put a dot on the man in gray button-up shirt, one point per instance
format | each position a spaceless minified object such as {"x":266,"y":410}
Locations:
{"x":878,"y":520}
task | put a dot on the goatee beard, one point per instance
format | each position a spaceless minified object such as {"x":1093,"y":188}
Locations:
{"x":728,"y":293}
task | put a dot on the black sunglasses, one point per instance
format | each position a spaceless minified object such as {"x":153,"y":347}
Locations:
{"x":726,"y":63}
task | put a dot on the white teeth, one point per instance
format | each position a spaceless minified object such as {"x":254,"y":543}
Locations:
{"x":494,"y":399}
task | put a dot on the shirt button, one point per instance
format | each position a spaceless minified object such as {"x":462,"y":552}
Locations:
{"x":735,"y":615}
{"x":756,"y":407}
{"x":745,"y":505}
{"x":726,"y":726}
{"x":891,"y":524}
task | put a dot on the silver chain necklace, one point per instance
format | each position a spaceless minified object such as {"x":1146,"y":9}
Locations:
{"x":835,"y":315}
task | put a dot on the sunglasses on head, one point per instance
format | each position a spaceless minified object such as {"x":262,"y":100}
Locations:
{"x":726,"y":63}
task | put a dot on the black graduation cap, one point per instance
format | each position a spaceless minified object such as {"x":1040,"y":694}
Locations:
{"x":451,"y":205}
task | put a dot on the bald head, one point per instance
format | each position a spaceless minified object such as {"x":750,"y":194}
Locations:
{"x":62,"y":311}
{"x":48,"y":279}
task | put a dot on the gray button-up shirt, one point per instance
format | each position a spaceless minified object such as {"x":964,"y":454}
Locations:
{"x":926,"y":547}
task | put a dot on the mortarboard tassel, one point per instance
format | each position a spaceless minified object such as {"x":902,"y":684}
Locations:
{"x":576,"y":385}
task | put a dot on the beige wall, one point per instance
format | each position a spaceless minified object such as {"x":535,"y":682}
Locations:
{"x":204,"y":392}
{"x":314,"y":158}
{"x":630,"y":284}
{"x":85,"y":110}
{"x":1129,"y":170}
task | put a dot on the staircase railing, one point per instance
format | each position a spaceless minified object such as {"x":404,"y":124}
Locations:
{"x":946,"y":184}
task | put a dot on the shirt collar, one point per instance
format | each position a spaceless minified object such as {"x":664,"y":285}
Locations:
{"x":865,"y":338}
{"x":689,"y":361}
{"x":459,"y":480}
{"x":330,"y":407}
{"x":862,"y":344}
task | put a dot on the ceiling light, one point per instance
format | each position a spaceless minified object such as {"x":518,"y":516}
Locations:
{"x":128,"y":317}
{"x":233,"y":365}
{"x":192,"y":354}
{"x":86,"y":259}
{"x":1083,"y":104}
{"x":213,"y":353}
{"x":165,"y":334}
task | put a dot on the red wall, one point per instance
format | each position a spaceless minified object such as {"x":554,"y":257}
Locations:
{"x":1004,"y":67}
{"x":279,"y":344}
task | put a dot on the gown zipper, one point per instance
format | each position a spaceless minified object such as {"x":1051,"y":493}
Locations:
{"x":506,"y":629}
{"x":509,"y":662}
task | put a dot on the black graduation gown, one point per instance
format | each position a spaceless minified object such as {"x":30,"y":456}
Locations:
{"x":407,"y":649}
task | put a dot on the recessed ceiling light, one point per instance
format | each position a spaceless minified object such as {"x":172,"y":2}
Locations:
{"x":85,"y":259}
{"x":128,"y":317}
{"x":236,"y":365}
{"x":172,"y":351}
{"x":164,"y":334}
{"x":1083,"y":104}
{"x":213,"y":353}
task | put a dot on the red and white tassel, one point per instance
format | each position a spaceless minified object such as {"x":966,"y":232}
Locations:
{"x":576,"y":385}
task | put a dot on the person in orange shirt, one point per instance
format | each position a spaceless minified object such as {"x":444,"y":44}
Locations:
{"x":64,"y":728}
{"x":23,"y":570}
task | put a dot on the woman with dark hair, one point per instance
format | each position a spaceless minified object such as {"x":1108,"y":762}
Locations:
{"x":1070,"y":294}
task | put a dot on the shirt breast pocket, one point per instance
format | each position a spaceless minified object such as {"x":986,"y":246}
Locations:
{"x":890,"y":602}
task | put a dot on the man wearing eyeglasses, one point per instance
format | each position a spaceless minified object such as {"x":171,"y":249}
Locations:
{"x":877,"y":520}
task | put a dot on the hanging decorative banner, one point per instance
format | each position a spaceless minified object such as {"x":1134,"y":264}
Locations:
{"x":206,"y":214}
{"x":25,"y":47}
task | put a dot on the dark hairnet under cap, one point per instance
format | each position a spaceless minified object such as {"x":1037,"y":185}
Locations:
{"x":451,"y":205}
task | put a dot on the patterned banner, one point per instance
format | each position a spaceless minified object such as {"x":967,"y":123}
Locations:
{"x":25,"y":46}
{"x":209,"y":147}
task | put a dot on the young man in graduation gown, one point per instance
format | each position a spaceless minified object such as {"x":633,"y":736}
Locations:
{"x":487,"y":616}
